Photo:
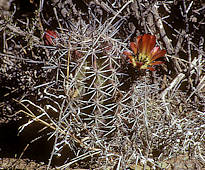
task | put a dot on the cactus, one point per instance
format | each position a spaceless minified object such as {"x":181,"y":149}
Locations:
{"x":102,"y":112}
{"x":91,"y":109}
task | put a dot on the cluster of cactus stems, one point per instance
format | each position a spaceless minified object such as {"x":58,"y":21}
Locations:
{"x":84,"y":103}
{"x":89,"y":106}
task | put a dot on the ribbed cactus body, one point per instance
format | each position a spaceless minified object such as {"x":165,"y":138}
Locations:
{"x":100,"y":108}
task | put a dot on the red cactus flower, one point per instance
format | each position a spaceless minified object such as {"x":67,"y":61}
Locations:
{"x":145,"y":53}
{"x":49,"y":37}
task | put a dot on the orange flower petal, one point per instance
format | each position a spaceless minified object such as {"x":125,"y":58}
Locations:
{"x":148,"y":43}
{"x":154,"y":51}
{"x":145,"y":43}
{"x":158,"y":54}
{"x":139,"y":44}
{"x":151,"y":68}
{"x":151,"y":44}
{"x":127,"y":53}
{"x":156,"y":63}
{"x":131,"y":58}
{"x":133,"y":46}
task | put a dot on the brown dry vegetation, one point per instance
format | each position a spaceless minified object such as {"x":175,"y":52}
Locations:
{"x":79,"y":104}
